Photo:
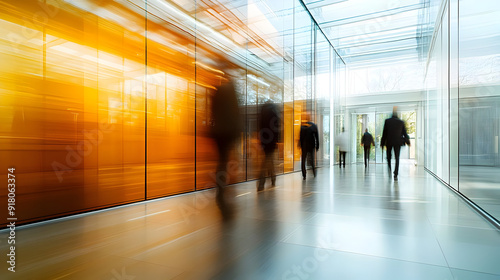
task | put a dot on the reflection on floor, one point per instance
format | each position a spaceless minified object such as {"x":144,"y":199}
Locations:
{"x":344,"y":224}
{"x":482,"y":185}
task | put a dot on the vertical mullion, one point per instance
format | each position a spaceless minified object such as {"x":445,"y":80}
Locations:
{"x":146,"y":100}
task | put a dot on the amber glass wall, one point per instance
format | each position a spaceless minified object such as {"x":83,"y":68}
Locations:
{"x":108,"y":102}
{"x":72,"y":96}
{"x":171,"y":89}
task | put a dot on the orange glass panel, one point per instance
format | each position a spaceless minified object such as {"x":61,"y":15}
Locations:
{"x":289,"y":143}
{"x":171,"y":110}
{"x":73,"y":94}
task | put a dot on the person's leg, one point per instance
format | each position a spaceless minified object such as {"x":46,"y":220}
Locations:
{"x":263,"y":173}
{"x":271,"y":168}
{"x":366,"y":156}
{"x":221,"y":174}
{"x":397,"y":150}
{"x":343,"y":158}
{"x":303,"y":163}
{"x":221,"y":178}
{"x":388,"y":153}
{"x":311,"y":158}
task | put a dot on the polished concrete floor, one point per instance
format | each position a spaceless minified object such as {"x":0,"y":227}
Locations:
{"x":347,"y":223}
{"x":482,"y":185}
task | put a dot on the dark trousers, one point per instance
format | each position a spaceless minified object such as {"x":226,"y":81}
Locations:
{"x":367,"y":155}
{"x":342,"y":157}
{"x":221,"y":174}
{"x":308,"y":155}
{"x":267,"y":168}
{"x":397,"y":149}
{"x":221,"y":177}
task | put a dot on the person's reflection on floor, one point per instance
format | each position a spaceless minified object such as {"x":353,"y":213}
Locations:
{"x":255,"y":235}
{"x":225,"y":131}
{"x":394,"y":194}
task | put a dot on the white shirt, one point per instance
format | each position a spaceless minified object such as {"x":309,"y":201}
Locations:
{"x":342,"y":142}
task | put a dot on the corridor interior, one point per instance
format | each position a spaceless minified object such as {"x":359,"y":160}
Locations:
{"x":351,"y":223}
{"x":109,"y":161}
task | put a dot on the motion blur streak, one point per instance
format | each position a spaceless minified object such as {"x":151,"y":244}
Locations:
{"x":107,"y":102}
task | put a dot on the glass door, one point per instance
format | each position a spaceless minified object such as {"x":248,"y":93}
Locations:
{"x":364,"y":121}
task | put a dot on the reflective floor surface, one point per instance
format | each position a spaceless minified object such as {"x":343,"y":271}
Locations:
{"x":481,"y":184}
{"x":347,"y":223}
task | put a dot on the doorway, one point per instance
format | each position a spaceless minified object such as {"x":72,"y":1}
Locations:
{"x":374,"y":122}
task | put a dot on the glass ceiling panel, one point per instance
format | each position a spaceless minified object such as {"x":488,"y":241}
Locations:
{"x":380,"y":48}
{"x":369,"y":31}
{"x":368,"y":27}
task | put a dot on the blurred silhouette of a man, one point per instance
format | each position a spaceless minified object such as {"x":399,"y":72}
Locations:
{"x":269,"y":134}
{"x":393,"y":137}
{"x":309,"y":140}
{"x":366,"y":142}
{"x":225,"y":131}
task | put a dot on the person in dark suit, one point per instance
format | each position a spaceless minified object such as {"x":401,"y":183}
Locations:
{"x":366,"y":142}
{"x":393,"y":137}
{"x":309,"y":140}
{"x":225,"y":131}
{"x":269,"y":133}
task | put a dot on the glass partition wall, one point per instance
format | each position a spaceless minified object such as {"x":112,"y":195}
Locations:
{"x":462,"y":116}
{"x":110,"y":103}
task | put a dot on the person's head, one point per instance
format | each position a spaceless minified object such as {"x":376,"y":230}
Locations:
{"x":228,"y":68}
{"x":366,"y":129}
{"x":395,"y":111}
{"x":305,"y":117}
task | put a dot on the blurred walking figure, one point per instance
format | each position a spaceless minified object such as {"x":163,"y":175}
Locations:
{"x":343,"y":144}
{"x":366,"y":142}
{"x":309,"y":140}
{"x":225,"y":131}
{"x":393,"y":137}
{"x":269,"y":134}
